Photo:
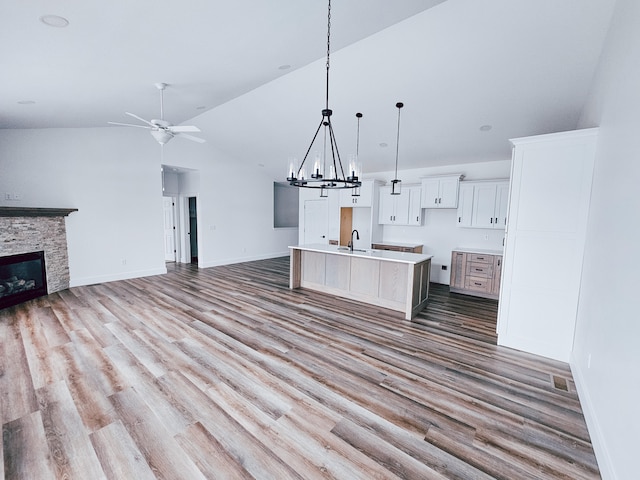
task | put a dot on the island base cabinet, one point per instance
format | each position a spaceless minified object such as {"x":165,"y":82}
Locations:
{"x":394,"y":285}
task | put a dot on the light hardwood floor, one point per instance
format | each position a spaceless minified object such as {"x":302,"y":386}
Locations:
{"x":226,"y":373}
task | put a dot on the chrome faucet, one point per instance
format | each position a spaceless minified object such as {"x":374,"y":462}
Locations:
{"x":351,"y":242}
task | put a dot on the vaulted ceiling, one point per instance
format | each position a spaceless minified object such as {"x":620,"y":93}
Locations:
{"x":250,"y":73}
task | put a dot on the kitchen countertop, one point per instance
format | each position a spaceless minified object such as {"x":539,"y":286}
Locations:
{"x":478,"y":250}
{"x":399,"y":244}
{"x":404,"y":257}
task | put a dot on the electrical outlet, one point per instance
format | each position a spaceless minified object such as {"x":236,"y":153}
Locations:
{"x":17,"y":197}
{"x":8,"y":196}
{"x":486,"y":236}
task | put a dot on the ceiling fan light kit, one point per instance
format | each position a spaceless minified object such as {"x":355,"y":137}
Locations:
{"x":160,"y":129}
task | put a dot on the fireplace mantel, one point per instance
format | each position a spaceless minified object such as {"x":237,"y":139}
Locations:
{"x":35,"y":212}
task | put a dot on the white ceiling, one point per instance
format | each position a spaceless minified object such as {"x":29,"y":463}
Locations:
{"x":523,"y":67}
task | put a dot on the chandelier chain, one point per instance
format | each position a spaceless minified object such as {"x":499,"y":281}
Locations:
{"x":328,"y":50}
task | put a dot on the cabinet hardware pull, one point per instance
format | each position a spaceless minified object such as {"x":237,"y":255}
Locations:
{"x":496,"y":220}
{"x":459,"y":219}
{"x":417,"y":219}
{"x":491,"y":220}
{"x":477,"y":283}
{"x":440,"y":200}
{"x":435,"y":200}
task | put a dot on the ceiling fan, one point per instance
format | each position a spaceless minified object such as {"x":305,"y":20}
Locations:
{"x":162,"y":130}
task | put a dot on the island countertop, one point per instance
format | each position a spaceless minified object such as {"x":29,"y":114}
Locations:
{"x":403,"y":257}
{"x":395,"y":280}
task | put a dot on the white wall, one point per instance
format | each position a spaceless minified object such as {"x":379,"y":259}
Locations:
{"x":112,"y":175}
{"x":606,"y":351}
{"x":439,"y":232}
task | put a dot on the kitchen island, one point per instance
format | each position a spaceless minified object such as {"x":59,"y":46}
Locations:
{"x":395,"y":280}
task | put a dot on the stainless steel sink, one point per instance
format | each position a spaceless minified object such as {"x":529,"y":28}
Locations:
{"x":347,"y":249}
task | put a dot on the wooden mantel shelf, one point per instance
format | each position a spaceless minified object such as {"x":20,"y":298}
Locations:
{"x":35,"y":212}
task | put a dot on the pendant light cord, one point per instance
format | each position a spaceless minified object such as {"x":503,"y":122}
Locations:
{"x":399,"y":105}
{"x":328,"y":51}
{"x":358,"y":116}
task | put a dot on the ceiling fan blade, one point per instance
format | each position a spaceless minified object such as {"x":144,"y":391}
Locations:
{"x":141,"y":119}
{"x":183,"y":128}
{"x":128,"y":125}
{"x":191,"y":137}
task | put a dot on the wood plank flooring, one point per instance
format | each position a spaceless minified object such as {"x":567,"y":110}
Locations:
{"x":226,"y":373}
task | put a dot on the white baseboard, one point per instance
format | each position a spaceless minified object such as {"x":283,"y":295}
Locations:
{"x":81,"y":281}
{"x":230,"y":261}
{"x":598,"y":442}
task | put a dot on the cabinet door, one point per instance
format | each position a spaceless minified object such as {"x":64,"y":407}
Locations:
{"x":448,"y":192}
{"x":502,"y":205}
{"x":387,"y":206}
{"x":401,"y":215}
{"x":458,"y":269}
{"x":465,"y":205}
{"x":430,"y":192}
{"x":484,"y":203}
{"x":363,"y":200}
{"x":415,"y":207}
{"x":497,"y":274}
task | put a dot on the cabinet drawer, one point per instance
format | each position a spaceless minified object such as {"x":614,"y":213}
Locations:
{"x":477,"y":269}
{"x":481,"y":258}
{"x":478,"y":284}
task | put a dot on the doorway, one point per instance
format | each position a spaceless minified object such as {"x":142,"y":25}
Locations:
{"x":168,"y":210}
{"x":316,"y":221}
{"x":193,"y":229}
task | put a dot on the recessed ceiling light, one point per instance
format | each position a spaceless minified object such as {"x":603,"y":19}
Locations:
{"x":26,"y":102}
{"x":54,"y":21}
{"x":201,"y":107}
{"x":261,"y":164}
{"x":485,"y":128}
{"x":384,"y":145}
{"x":284,"y":67}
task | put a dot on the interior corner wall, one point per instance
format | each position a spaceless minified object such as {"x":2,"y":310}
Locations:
{"x":113,"y":177}
{"x":606,"y":355}
{"x":235,"y":221}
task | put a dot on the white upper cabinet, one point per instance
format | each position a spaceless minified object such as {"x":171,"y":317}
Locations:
{"x":440,"y":192}
{"x":403,"y":209}
{"x":415,"y":206}
{"x":465,"y":204}
{"x":483,"y":204}
{"x":365,"y":199}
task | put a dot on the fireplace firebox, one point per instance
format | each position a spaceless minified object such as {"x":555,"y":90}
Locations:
{"x":22,"y":277}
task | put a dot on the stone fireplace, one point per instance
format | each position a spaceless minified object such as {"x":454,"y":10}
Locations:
{"x":30,"y":230}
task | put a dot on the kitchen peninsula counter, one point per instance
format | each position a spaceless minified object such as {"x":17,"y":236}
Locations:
{"x":395,"y":280}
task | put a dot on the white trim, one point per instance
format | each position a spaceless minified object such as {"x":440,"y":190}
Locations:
{"x":605,"y":464}
{"x":230,"y":261}
{"x":78,"y":282}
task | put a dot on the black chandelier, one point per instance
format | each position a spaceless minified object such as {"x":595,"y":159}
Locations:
{"x":335,"y":178}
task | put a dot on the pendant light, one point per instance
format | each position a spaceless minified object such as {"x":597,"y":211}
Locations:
{"x":355,"y":166}
{"x":335,"y":178}
{"x":396,"y":185}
